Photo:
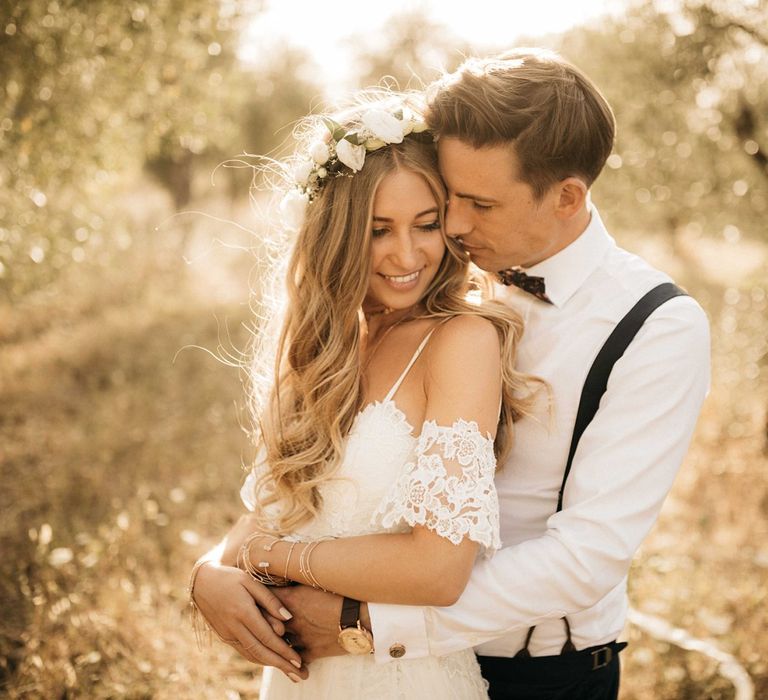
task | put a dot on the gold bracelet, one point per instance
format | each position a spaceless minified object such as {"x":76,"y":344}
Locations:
{"x":199,"y":624}
{"x":259,"y":572}
{"x":315,"y":582}
{"x":302,"y":555}
{"x":304,"y":567}
{"x":202,"y":628}
{"x":193,"y":576}
{"x":245,"y":556}
{"x":288,"y":560}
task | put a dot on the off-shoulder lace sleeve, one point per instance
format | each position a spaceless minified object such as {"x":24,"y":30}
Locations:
{"x":448,"y":487}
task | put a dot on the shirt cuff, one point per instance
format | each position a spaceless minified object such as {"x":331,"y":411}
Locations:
{"x":399,"y":632}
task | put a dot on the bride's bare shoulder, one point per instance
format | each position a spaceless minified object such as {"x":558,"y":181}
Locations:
{"x":463,"y":372}
{"x":465,"y":339}
{"x":466,"y":329}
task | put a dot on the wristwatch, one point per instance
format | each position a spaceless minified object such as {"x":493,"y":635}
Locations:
{"x":353,"y":637}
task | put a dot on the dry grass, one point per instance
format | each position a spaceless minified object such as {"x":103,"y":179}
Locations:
{"x":705,"y":565}
{"x":116,"y":456}
{"x":118,"y":465}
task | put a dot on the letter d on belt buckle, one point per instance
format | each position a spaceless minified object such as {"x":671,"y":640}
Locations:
{"x":601,"y":657}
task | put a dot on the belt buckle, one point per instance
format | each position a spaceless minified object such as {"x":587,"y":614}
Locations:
{"x":601,"y":657}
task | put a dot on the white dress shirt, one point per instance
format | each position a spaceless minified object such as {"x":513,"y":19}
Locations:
{"x":575,"y":562}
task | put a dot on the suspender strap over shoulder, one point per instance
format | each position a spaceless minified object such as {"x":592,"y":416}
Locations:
{"x":597,"y":378}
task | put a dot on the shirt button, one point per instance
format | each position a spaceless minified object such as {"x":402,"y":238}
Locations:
{"x":397,"y":651}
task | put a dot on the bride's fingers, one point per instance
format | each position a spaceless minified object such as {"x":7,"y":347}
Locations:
{"x":261,"y":631}
{"x":267,"y":600}
{"x":254,"y":650}
{"x":274,"y":623}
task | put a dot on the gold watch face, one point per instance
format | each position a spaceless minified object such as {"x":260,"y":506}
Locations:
{"x":356,"y":641}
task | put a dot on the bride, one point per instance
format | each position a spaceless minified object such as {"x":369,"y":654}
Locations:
{"x":391,"y":400}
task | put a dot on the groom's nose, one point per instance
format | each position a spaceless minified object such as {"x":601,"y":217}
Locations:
{"x":457,"y":221}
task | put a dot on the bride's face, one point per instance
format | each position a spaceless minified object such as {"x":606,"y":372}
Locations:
{"x":407,"y":245}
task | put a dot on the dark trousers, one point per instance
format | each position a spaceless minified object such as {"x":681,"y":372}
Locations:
{"x":550,"y":678}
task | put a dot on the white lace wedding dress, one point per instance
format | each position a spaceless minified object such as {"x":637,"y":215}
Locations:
{"x":388,"y":481}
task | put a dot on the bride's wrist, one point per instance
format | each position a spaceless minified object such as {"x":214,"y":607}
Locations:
{"x":266,"y":558}
{"x":276,"y":562}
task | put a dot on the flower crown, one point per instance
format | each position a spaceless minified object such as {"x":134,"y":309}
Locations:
{"x":341,"y":152}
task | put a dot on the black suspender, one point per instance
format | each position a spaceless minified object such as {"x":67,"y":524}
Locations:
{"x":597,"y":378}
{"x":594,"y":388}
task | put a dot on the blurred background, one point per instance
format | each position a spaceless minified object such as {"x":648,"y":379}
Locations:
{"x":130,"y":259}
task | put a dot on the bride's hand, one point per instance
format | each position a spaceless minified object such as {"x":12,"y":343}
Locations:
{"x":225,"y":596}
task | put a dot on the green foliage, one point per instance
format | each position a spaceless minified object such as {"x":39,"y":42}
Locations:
{"x":89,"y":90}
{"x":682,"y":82}
{"x":92,"y":92}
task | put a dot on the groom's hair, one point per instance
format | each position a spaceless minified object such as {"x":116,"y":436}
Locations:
{"x":556,"y":118}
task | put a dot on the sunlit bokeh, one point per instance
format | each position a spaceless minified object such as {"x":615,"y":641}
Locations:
{"x":132,"y":258}
{"x":331,"y":37}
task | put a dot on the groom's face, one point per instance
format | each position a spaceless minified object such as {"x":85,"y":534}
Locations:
{"x":493,"y":213}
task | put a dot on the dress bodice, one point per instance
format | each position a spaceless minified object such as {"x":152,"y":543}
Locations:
{"x":380,"y":442}
{"x":389,"y":479}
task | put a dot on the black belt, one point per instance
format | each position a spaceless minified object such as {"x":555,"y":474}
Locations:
{"x":575,"y":663}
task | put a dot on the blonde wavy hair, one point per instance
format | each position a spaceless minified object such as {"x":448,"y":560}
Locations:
{"x":305,"y":412}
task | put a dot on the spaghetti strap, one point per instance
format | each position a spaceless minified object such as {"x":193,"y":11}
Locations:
{"x":413,"y":359}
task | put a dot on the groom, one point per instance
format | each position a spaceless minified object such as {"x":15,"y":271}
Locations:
{"x":521,"y":138}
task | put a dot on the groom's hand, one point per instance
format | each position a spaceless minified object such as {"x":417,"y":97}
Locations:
{"x":314,"y":629}
{"x":247,"y":616}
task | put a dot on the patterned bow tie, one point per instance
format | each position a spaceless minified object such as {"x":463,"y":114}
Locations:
{"x":528,"y":283}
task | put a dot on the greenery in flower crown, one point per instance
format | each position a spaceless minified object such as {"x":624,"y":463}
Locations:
{"x":341,"y":151}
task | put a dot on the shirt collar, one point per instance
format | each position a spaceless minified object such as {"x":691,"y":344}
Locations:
{"x":567,"y":270}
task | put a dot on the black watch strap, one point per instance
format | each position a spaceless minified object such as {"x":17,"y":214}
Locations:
{"x":350,"y":613}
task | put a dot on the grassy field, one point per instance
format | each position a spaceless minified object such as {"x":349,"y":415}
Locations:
{"x":121,"y":453}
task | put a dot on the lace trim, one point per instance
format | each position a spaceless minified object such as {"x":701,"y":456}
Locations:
{"x":449,"y":488}
{"x":390,"y":411}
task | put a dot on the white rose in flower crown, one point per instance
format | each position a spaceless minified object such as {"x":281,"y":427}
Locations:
{"x":383,"y":126}
{"x":352,"y":156}
{"x":301,"y":172}
{"x":319,"y":152}
{"x":373,"y":144}
{"x":418,"y":125}
{"x":407,"y":121}
{"x":293,"y":209}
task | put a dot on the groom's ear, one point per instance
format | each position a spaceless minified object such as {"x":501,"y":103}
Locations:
{"x":571,"y":197}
